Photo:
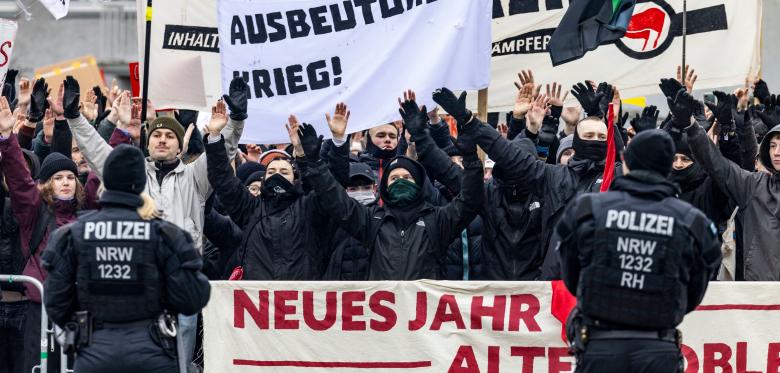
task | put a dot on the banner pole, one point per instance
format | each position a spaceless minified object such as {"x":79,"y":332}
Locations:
{"x":147,"y":42}
{"x":684,"y":37}
{"x":482,"y":114}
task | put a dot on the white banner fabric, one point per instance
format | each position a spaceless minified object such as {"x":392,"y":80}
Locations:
{"x":57,"y":8}
{"x":8,"y":30}
{"x":302,"y":57}
{"x":430,"y":326}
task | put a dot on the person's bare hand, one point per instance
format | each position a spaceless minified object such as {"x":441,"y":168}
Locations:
{"x":503,"y":129}
{"x":690,"y":77}
{"x":433,"y":116}
{"x":124,"y":109}
{"x":89,"y":106}
{"x":292,"y":127}
{"x":616,"y":103}
{"x":134,"y":125}
{"x":7,"y":119}
{"x":151,"y":114}
{"x":338,"y":123}
{"x":253,"y":152}
{"x":219,"y":118}
{"x":56,"y":104}
{"x":25,"y":92}
{"x":523,"y":101}
{"x":535,"y":116}
{"x":571,"y":115}
{"x":554,"y":93}
{"x":48,"y":126}
{"x":113,"y":91}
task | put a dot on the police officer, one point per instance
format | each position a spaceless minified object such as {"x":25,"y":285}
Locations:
{"x":638,"y":260}
{"x":114,"y":275}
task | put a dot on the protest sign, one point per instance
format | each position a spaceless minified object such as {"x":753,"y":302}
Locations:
{"x":430,"y":326}
{"x":303,"y":56}
{"x":84,"y":69}
{"x":7,"y":37}
{"x":651,"y":49}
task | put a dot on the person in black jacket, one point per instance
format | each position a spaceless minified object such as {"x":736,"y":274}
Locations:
{"x":555,"y":185}
{"x":125,"y":270}
{"x":638,"y":259}
{"x":508,"y":248}
{"x":13,"y":301}
{"x":407,"y":238}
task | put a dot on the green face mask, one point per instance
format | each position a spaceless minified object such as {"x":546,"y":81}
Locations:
{"x":402,"y":192}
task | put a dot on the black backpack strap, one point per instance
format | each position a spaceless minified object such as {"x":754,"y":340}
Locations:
{"x":45,"y":220}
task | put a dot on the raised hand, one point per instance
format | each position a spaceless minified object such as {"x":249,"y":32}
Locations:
{"x":38,"y":100}
{"x":134,"y":125}
{"x":670,"y":87}
{"x":555,"y":94}
{"x":69,"y":98}
{"x":415,"y":119}
{"x":535,"y":116}
{"x":253,"y":152}
{"x":647,"y":121}
{"x":682,"y":108}
{"x":113,"y":91}
{"x":761,"y":91}
{"x":690,"y":77}
{"x":25,"y":92}
{"x":722,"y":110}
{"x":151,"y":114}
{"x":589,"y":99}
{"x":56,"y":103}
{"x":338,"y":122}
{"x":433,"y":116}
{"x":456,"y":106}
{"x":237,"y":99}
{"x":571,"y":115}
{"x":310,"y":142}
{"x":523,"y":101}
{"x":609,"y":93}
{"x":7,"y":119}
{"x":48,"y":126}
{"x":218,"y":120}
{"x":292,"y":127}
{"x":124,"y":109}
{"x":89,"y":108}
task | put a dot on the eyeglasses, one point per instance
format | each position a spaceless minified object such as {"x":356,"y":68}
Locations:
{"x":254,"y":189}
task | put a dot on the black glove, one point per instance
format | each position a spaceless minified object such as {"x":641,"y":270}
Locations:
{"x":608,"y":95}
{"x":761,"y":91}
{"x":415,"y":119}
{"x":71,"y":98}
{"x":722,"y":110}
{"x":682,"y":108}
{"x":589,"y":99}
{"x":648,"y":120}
{"x":238,"y":98}
{"x":101,"y":100}
{"x":771,"y":113}
{"x":455,"y":106}
{"x":9,"y":90}
{"x":310,"y":142}
{"x":38,"y":101}
{"x":670,"y":87}
{"x":741,"y":119}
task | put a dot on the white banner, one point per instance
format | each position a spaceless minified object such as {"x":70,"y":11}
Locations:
{"x":430,"y":326}
{"x":723,"y":45}
{"x":302,"y":57}
{"x":8,"y":30}
{"x":57,"y":8}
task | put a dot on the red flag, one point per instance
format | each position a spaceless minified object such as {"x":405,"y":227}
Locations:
{"x":562,"y":304}
{"x":609,"y":166}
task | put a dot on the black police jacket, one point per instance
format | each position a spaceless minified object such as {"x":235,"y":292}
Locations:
{"x":102,"y":263}
{"x":637,"y":256}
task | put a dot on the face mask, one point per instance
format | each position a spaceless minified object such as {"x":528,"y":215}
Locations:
{"x":364,"y":197}
{"x":688,"y":178}
{"x":402,"y":193}
{"x":276,"y":186}
{"x":590,"y":149}
{"x":83,"y":178}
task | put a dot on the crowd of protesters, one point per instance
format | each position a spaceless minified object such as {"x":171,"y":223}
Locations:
{"x":406,"y":200}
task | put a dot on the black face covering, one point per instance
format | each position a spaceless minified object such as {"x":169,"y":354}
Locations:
{"x":378,"y":152}
{"x":688,"y":178}
{"x":589,"y":149}
{"x":83,"y":177}
{"x":277,"y":186}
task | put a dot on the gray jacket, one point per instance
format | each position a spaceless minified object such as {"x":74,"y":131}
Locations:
{"x":183,"y":192}
{"x":757,"y":194}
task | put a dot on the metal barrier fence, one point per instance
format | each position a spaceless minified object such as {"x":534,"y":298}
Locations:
{"x":45,"y":331}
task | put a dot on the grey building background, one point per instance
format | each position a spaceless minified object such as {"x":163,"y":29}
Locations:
{"x":107,"y":30}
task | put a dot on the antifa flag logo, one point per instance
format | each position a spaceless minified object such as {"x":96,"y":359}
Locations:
{"x":654,"y":26}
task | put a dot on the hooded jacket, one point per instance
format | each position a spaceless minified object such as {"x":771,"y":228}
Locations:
{"x":555,"y":185}
{"x":26,"y":204}
{"x":280,"y":237}
{"x":511,"y":218}
{"x":183,"y":191}
{"x":403,"y":243}
{"x":757,"y":194}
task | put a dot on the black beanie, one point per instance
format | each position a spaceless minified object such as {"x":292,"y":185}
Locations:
{"x":124,"y":170}
{"x":56,"y":162}
{"x":255,"y":176}
{"x":243,"y":171}
{"x":683,"y":147}
{"x":651,"y":150}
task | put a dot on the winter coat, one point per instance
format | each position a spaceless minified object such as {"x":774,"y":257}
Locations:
{"x":555,"y":185}
{"x":758,"y":196}
{"x":26,"y":205}
{"x":182,"y":193}
{"x":280,"y":240}
{"x":398,"y":251}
